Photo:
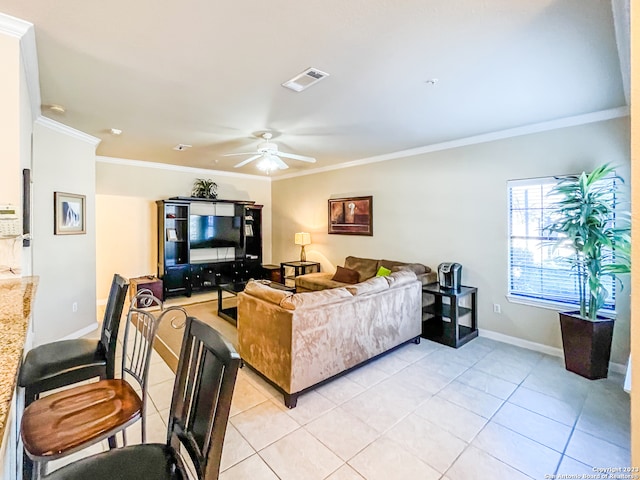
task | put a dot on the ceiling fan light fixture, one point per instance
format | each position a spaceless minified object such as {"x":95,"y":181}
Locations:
{"x":305,"y":79}
{"x":267,"y":164}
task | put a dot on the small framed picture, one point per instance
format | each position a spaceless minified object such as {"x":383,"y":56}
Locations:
{"x":172,"y":235}
{"x":69,"y":212}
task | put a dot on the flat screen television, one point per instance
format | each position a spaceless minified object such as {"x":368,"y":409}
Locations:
{"x":209,"y":231}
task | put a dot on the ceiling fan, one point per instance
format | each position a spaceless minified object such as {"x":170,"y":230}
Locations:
{"x":269,"y":156}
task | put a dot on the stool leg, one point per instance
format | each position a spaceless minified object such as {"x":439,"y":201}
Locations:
{"x":27,"y":466}
{"x":39,"y":469}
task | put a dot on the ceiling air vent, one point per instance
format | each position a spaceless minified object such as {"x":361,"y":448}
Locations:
{"x":305,"y":79}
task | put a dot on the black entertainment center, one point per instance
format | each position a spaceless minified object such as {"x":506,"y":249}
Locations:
{"x":204,"y":243}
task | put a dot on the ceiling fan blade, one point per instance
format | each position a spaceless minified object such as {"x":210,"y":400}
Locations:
{"x":279,"y":162}
{"x":297,"y":157}
{"x":244,"y":162}
{"x":235,"y":154}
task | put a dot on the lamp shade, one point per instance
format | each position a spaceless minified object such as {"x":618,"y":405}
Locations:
{"x":303,"y":238}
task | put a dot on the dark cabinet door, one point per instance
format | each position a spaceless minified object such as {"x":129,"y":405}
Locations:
{"x":177,"y":280}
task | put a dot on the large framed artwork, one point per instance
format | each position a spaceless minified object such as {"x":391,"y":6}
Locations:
{"x":69,"y":214}
{"x":351,"y":216}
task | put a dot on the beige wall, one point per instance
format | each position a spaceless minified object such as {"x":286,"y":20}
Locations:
{"x":65,"y":264}
{"x":126,"y":212}
{"x":452,"y":206}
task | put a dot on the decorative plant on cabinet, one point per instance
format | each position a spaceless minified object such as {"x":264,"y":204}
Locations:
{"x":204,"y":188}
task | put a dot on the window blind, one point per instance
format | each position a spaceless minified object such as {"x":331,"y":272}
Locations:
{"x":538,"y":267}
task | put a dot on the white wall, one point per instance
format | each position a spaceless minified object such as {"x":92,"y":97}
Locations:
{"x":63,"y":161}
{"x":452,"y":206}
{"x":12,"y":115}
{"x":127,"y":216}
{"x":26,"y":132}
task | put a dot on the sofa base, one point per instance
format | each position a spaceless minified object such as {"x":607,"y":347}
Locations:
{"x":291,"y":399}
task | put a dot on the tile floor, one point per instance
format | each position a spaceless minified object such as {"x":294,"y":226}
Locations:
{"x":485,"y":411}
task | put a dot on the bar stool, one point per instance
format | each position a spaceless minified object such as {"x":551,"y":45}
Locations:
{"x":202,"y":394}
{"x":65,"y":422}
{"x":57,"y":364}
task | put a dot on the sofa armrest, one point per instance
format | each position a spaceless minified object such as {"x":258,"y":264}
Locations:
{"x":427,"y":278}
{"x":264,"y":338}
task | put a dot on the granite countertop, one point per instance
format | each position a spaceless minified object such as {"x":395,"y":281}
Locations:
{"x":16,"y":300}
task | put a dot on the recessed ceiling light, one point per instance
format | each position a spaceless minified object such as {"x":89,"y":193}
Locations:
{"x":115,"y":131}
{"x":181,"y":147}
{"x":57,"y":108}
{"x":305,"y":79}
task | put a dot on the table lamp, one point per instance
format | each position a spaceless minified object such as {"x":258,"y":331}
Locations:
{"x":302,"y":239}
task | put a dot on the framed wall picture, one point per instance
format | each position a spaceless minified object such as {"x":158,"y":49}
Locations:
{"x":351,"y":216}
{"x":69,"y":213}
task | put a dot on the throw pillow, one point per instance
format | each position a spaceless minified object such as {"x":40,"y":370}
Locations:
{"x":346,"y":275}
{"x":383,"y":272}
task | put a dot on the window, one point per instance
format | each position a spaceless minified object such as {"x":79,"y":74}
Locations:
{"x":537,"y":273}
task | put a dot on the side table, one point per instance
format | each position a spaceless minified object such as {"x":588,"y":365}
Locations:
{"x":441,"y":319}
{"x":148,"y":282}
{"x":271,"y":272}
{"x":299,"y":268}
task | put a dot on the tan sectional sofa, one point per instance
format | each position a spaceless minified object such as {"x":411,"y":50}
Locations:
{"x":299,"y":340}
{"x":366,"y":268}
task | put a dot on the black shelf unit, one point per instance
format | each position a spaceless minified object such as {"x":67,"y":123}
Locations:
{"x":179,"y":275}
{"x":173,"y":247}
{"x":253,"y":240}
{"x":441,"y":319}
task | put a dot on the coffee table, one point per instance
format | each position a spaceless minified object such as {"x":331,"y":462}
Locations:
{"x":230,"y":314}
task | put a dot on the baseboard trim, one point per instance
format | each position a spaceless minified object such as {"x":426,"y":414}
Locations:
{"x":538,"y":347}
{"x":81,"y":333}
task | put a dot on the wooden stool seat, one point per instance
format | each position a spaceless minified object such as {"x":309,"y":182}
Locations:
{"x":67,"y":420}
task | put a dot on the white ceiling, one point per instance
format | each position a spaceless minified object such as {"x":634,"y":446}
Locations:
{"x":208,"y":73}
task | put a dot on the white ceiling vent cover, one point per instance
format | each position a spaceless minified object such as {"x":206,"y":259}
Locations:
{"x":305,"y":79}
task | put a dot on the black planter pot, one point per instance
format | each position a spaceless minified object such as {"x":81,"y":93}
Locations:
{"x":587,"y":344}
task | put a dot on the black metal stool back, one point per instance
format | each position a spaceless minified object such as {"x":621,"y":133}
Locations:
{"x":57,"y":364}
{"x":202,"y":395}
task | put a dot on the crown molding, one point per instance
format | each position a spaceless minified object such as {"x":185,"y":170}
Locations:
{"x":24,"y":31}
{"x":600,"y":116}
{"x":13,"y":26}
{"x":66,"y":130}
{"x":177,"y":168}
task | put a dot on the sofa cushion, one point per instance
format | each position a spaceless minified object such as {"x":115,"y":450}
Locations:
{"x":394,"y":266}
{"x":373,"y":285}
{"x":416,"y":268}
{"x":366,"y":267}
{"x":346,"y":275}
{"x":316,"y":281}
{"x":313,"y":299}
{"x":400,"y":278}
{"x":265,"y":292}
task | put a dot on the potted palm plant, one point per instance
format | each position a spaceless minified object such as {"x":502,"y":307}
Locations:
{"x":589,"y":224}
